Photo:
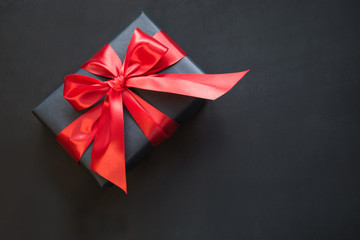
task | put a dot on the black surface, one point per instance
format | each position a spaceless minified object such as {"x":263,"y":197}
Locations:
{"x":275,"y":158}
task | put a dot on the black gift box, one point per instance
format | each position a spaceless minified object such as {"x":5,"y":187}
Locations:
{"x":56,"y":113}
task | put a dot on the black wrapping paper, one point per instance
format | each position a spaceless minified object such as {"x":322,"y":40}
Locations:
{"x":56,"y":113}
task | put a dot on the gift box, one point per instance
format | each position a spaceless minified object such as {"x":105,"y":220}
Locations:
{"x":144,"y":70}
{"x":56,"y":113}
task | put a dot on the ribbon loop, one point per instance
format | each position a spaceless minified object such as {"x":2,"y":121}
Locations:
{"x":143,"y":53}
{"x":83,"y":91}
{"x":104,"y":63}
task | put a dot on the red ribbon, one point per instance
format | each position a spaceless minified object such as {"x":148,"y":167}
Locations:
{"x":104,"y":123}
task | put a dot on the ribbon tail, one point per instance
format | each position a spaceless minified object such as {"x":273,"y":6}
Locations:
{"x":207,"y":86}
{"x":108,"y":155}
{"x":76,"y":137}
{"x":155,"y":125}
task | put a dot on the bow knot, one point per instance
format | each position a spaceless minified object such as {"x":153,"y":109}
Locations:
{"x":117,"y":83}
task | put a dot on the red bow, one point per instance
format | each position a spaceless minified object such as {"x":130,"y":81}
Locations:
{"x":104,"y":123}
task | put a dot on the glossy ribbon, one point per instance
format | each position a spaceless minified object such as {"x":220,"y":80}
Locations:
{"x":104,"y":123}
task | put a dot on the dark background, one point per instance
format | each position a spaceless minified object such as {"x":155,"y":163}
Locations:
{"x":275,"y":158}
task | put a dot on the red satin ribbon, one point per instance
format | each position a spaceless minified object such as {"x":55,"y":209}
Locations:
{"x":104,"y":123}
